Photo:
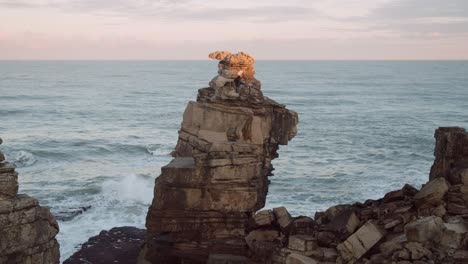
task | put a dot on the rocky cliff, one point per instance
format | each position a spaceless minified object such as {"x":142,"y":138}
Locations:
{"x":27,"y":230}
{"x":405,"y":226}
{"x":206,"y":196}
{"x":206,"y":200}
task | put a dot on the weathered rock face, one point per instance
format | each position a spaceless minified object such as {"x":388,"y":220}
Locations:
{"x":205,"y":199}
{"x":451,"y":154}
{"x":206,"y":196}
{"x":27,"y":230}
{"x":235,"y":78}
{"x":405,"y":226}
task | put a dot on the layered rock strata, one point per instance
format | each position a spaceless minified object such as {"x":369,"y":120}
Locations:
{"x":206,"y":196}
{"x":405,"y":226}
{"x":205,"y":199}
{"x":27,"y":230}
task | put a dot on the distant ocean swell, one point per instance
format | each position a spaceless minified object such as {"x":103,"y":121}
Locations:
{"x":94,"y":135}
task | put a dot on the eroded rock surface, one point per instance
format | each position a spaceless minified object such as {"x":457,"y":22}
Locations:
{"x":207,"y":195}
{"x":405,"y":226}
{"x":27,"y":230}
{"x":205,"y":200}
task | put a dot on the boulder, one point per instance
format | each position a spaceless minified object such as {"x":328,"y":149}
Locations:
{"x":283,"y":217}
{"x":302,"y":243}
{"x":344,"y":222}
{"x":227,"y":259}
{"x":452,"y":235}
{"x":353,"y":248}
{"x":417,"y":251}
{"x":424,"y":229}
{"x":329,"y":254}
{"x":461,"y":256}
{"x":300,"y":259}
{"x":392,"y":243}
{"x":264,"y":218}
{"x":432,"y":193}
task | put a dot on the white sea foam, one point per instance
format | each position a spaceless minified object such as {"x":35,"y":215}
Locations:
{"x":122,"y":201}
{"x":22,"y":159}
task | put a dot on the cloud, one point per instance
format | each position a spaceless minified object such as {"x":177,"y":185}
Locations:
{"x":261,"y":11}
{"x":421,"y":16}
{"x":254,"y":14}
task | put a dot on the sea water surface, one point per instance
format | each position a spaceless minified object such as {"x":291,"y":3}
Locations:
{"x":96,"y":133}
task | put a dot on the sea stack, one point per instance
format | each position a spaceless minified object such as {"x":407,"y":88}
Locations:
{"x":208,"y":194}
{"x":27,"y":230}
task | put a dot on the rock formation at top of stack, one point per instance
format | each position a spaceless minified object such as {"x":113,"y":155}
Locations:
{"x":206,"y":196}
{"x":235,"y":79}
{"x":27,"y":230}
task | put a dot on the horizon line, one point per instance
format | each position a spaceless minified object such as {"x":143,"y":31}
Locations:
{"x":148,"y":60}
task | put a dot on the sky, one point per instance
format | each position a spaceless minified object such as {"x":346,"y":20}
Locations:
{"x":267,"y":29}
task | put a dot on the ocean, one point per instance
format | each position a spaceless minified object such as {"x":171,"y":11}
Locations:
{"x":95,"y":134}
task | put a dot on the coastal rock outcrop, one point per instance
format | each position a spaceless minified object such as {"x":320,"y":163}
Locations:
{"x":118,"y":245}
{"x":27,"y":230}
{"x":206,"y":197}
{"x":405,"y":226}
{"x":206,"y":200}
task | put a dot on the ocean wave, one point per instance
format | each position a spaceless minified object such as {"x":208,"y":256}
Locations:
{"x":121,"y":201}
{"x":130,"y":189}
{"x":12,"y":112}
{"x":22,"y":159}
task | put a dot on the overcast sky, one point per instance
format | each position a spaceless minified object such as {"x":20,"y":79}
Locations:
{"x":268,"y":29}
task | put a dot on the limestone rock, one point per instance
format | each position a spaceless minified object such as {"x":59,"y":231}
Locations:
{"x":391,"y":244}
{"x":235,"y":79}
{"x":452,"y":235}
{"x":264,"y":218}
{"x":345,"y":222}
{"x":417,"y":251}
{"x":461,"y":256}
{"x":8,"y":185}
{"x":27,"y":230}
{"x":263,"y":242}
{"x":451,"y":151}
{"x":424,"y":229}
{"x":283,"y":217}
{"x":302,"y":243}
{"x":432,"y":193}
{"x":227,"y":259}
{"x":360,"y":242}
{"x":205,"y":199}
{"x":300,"y":259}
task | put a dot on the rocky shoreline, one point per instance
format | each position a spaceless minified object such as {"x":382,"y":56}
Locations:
{"x":205,"y":208}
{"x":405,"y":226}
{"x":207,"y":201}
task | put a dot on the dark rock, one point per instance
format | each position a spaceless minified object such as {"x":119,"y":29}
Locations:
{"x":451,"y":151}
{"x":71,"y":213}
{"x":118,"y":245}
